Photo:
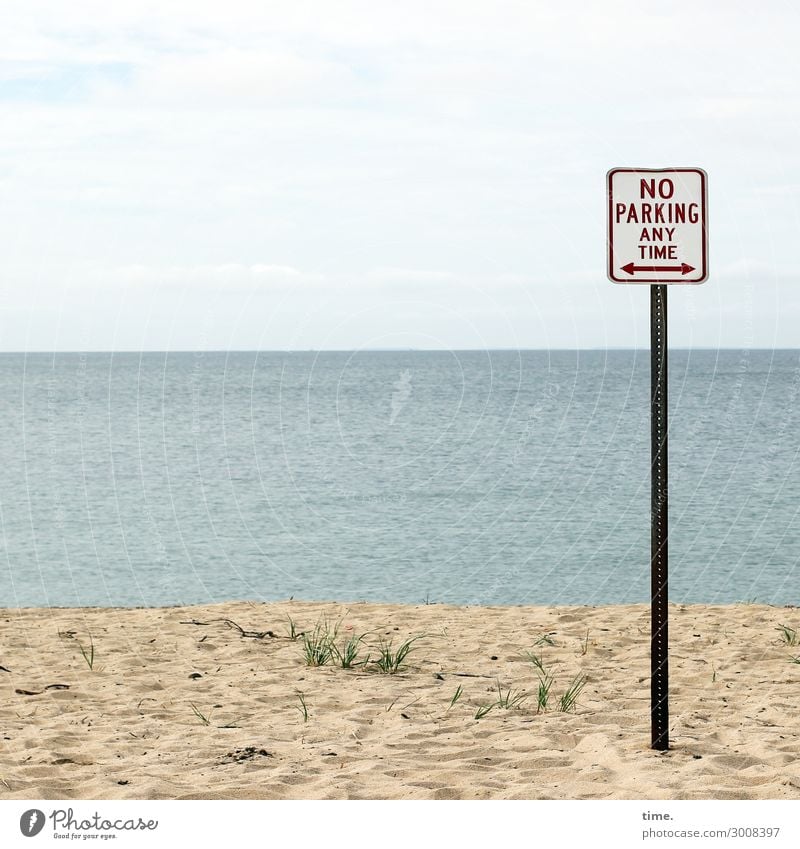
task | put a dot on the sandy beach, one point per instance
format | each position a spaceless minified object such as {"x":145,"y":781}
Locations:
{"x":217,"y":701}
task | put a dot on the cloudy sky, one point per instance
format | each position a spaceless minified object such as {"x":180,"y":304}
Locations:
{"x":292,"y":175}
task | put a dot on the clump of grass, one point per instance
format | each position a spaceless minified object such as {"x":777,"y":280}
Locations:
{"x":569,"y":700}
{"x":347,"y":654}
{"x":389,"y":659}
{"x":794,"y":660}
{"x":302,"y":707}
{"x":510,"y":699}
{"x":544,"y":640}
{"x":788,"y":635}
{"x":319,"y":645}
{"x":483,"y":710}
{"x":456,"y":696}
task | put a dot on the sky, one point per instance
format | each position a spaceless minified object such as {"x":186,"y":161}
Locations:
{"x":307,"y":175}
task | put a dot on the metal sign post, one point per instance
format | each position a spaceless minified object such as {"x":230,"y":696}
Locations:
{"x":657,"y":234}
{"x":659,"y":560}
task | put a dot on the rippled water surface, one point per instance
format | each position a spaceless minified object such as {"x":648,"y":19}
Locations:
{"x":461,"y":477}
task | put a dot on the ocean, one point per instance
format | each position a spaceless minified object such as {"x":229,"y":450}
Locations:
{"x":463,"y":477}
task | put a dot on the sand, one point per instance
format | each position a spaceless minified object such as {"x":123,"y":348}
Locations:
{"x":179,"y":704}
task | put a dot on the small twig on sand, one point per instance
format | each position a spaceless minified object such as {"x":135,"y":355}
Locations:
{"x":256,"y":635}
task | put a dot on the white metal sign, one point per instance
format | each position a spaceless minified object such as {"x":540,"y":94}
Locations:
{"x":657,"y":225}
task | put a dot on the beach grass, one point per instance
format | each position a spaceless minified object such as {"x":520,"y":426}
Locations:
{"x":543,"y":692}
{"x":87,"y":652}
{"x":347,"y":655}
{"x":510,"y":698}
{"x":199,"y":714}
{"x":456,"y":696}
{"x":483,"y":710}
{"x":294,"y":632}
{"x":389,"y":659}
{"x":569,"y":700}
{"x":302,"y":707}
{"x":537,"y":661}
{"x":318,"y":646}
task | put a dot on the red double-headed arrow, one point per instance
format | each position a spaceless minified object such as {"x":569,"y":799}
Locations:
{"x":684,"y":268}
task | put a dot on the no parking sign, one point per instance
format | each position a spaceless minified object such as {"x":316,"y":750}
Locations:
{"x":657,"y":225}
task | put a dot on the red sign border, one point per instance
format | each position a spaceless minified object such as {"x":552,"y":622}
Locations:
{"x":704,"y":223}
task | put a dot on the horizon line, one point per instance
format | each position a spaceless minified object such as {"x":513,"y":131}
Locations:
{"x":379,"y":350}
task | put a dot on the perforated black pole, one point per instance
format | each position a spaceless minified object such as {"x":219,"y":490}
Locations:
{"x":659,"y":635}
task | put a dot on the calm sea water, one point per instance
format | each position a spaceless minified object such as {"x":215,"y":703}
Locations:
{"x":463,"y":477}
